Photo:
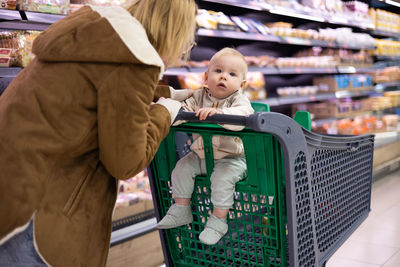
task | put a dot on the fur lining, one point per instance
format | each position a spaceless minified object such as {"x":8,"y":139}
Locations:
{"x":36,"y":246}
{"x":132,"y":34}
{"x":21,"y":229}
{"x":14,"y":232}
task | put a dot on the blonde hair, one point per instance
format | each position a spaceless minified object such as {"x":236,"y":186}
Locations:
{"x":170,"y":25}
{"x":232,"y":52}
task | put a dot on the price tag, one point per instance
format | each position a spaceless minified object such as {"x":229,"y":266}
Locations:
{"x":292,"y":40}
{"x":346,"y":69}
{"x":338,"y":19}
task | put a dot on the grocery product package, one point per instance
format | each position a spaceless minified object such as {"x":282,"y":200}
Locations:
{"x":16,"y":48}
{"x":45,"y":6}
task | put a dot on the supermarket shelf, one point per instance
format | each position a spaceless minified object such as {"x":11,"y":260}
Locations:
{"x":382,"y":170}
{"x":390,"y":85}
{"x":385,"y":34}
{"x":7,"y":14}
{"x":298,"y":14}
{"x":386,"y":138}
{"x":183,"y":71}
{"x":320,"y":122}
{"x":392,"y":3}
{"x":275,"y":39}
{"x":132,"y":231}
{"x":279,"y":71}
{"x":42,"y":17}
{"x":241,"y":3}
{"x":9,"y":72}
{"x":26,"y":20}
{"x":23,"y":25}
{"x":12,"y":72}
{"x":306,"y":70}
{"x":277,"y":101}
{"x":387,"y":58}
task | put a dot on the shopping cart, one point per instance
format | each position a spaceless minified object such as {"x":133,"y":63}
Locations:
{"x":305,"y":193}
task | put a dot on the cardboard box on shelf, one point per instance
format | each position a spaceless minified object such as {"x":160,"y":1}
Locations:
{"x":333,"y":83}
{"x":136,"y":208}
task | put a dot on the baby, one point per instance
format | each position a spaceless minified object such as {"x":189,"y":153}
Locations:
{"x":225,"y":76}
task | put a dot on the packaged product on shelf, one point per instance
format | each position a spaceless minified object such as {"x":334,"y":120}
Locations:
{"x":357,"y":7}
{"x":212,"y":20}
{"x":357,"y":125}
{"x":394,"y":97}
{"x":191,"y":80}
{"x":391,"y":122}
{"x":307,"y":62}
{"x":357,"y":82}
{"x":255,"y":88}
{"x":385,"y":20}
{"x":333,"y":83}
{"x":6,"y":57}
{"x":315,"y":4}
{"x":76,"y":4}
{"x":298,"y":91}
{"x":139,"y":183}
{"x":261,"y":61}
{"x":379,"y":102}
{"x":387,"y":47}
{"x":388,"y":74}
{"x":346,"y":36}
{"x":8,"y":4}
{"x":250,"y":25}
{"x":361,"y":82}
{"x":45,"y":6}
{"x":19,"y":45}
{"x":134,"y":196}
{"x":336,"y":57}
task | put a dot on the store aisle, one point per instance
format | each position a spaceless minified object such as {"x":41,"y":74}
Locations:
{"x":377,"y":241}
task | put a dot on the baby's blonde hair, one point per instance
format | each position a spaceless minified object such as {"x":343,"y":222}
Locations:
{"x":170,"y":25}
{"x":232,"y":52}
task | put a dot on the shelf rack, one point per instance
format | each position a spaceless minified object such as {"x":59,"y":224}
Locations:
{"x":311,"y":15}
{"x":276,"y":39}
{"x":26,"y":20}
{"x":280,"y":71}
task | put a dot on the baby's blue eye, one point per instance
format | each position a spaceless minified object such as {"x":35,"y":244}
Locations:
{"x":218,"y":71}
{"x":232,"y":74}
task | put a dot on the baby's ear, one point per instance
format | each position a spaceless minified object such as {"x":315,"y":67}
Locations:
{"x":243,"y":84}
{"x":205,"y":76}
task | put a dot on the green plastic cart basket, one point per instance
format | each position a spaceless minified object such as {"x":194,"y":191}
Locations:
{"x":303,"y":196}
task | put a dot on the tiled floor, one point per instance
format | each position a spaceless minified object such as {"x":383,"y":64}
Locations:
{"x":377,"y":241}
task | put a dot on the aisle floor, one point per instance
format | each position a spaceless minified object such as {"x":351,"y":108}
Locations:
{"x":377,"y":241}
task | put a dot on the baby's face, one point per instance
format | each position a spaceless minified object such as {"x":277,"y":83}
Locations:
{"x":225,"y":76}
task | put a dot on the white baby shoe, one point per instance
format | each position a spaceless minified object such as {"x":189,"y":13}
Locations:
{"x":176,"y":216}
{"x":215,"y":229}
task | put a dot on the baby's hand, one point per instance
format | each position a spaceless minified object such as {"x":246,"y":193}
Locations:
{"x":190,"y":92}
{"x":204,"y":112}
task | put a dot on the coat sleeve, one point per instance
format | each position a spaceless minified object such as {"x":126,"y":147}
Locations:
{"x":130,"y":128}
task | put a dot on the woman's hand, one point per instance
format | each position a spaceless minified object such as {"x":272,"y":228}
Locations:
{"x":203,"y":113}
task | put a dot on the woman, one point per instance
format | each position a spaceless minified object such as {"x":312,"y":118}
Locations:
{"x":78,"y":118}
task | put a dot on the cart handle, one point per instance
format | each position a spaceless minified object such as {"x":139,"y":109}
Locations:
{"x":216,"y":118}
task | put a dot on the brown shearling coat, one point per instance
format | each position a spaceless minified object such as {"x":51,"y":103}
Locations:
{"x":75,"y":120}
